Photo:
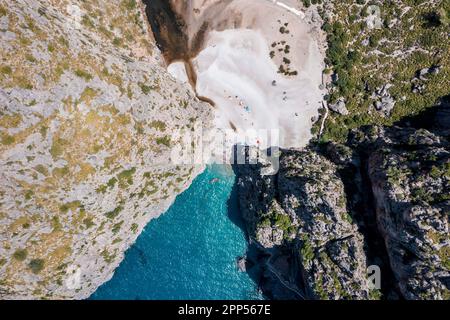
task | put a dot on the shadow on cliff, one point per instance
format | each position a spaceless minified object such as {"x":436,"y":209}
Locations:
{"x":360,"y":196}
{"x":258,"y":260}
{"x":234,"y":213}
{"x":435,"y":118}
{"x":253,"y":257}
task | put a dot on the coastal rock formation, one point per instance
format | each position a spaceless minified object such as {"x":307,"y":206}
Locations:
{"x":87,"y":122}
{"x":302,"y":211}
{"x":331,"y":212}
{"x":409,"y":174}
{"x":331,"y":248}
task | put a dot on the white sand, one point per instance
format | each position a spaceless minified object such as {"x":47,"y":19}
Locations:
{"x":235,"y":70}
{"x":289,"y":8}
{"x":178,"y":71}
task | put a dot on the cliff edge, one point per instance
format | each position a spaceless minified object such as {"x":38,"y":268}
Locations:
{"x":334,"y":210}
{"x":87,"y":116}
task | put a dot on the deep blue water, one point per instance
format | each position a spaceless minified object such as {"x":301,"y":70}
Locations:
{"x":190,"y":251}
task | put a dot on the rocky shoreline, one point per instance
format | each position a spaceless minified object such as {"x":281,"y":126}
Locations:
{"x":333,"y":210}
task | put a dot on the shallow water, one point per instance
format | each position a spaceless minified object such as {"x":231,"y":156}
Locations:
{"x":189,"y":252}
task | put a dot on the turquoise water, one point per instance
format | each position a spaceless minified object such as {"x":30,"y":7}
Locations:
{"x":190,"y":251}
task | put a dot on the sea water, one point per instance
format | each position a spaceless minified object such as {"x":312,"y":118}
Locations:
{"x":190,"y":251}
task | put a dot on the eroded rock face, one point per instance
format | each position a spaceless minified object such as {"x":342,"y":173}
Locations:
{"x":331,"y":213}
{"x":409,"y":171}
{"x":303,"y":208}
{"x":331,"y":248}
{"x":86,"y":121}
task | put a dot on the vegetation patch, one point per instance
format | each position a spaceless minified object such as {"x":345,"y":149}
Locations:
{"x":83,"y":74}
{"x":36,"y":265}
{"x":126,"y":177}
{"x":88,"y":223}
{"x":20,"y":254}
{"x":7,"y":139}
{"x":158,"y":125}
{"x":74,"y":205}
{"x":412,"y":36}
{"x":164,"y":141}
{"x":307,"y":250}
{"x":134,"y":227}
{"x":58,"y":147}
{"x":116,"y":228}
{"x":114,"y":213}
{"x":107,"y":256}
{"x":144,"y":88}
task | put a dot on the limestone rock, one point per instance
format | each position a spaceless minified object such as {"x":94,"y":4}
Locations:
{"x":329,"y":214}
{"x":339,"y":107}
{"x":303,"y":210}
{"x":331,"y":247}
{"x":384,"y":101}
{"x":86,"y":121}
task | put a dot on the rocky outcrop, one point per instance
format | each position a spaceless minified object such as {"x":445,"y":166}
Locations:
{"x":422,"y":76}
{"x":384,"y":102}
{"x":409,"y":174}
{"x":339,"y":107}
{"x":87,"y":122}
{"x":302,"y":210}
{"x":331,"y":212}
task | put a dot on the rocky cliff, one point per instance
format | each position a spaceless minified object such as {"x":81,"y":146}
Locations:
{"x":333,"y":210}
{"x":87,"y":114}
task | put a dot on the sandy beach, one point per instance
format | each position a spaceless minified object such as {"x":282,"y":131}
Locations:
{"x":260,"y":63}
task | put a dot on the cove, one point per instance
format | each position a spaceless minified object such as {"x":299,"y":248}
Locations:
{"x":189,"y":252}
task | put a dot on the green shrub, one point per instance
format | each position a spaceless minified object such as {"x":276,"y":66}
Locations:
{"x":116,"y":228}
{"x":87,"y":21}
{"x":114,"y":213}
{"x":126,"y":177}
{"x":83,"y":74}
{"x":51,"y":47}
{"x":282,"y":221}
{"x":3,"y":11}
{"x":7,"y":139}
{"x":117,"y":41}
{"x":112,"y":182}
{"x":108,"y":257}
{"x":20,"y":254}
{"x":88,"y":223}
{"x":144,"y":88}
{"x":57,"y":148}
{"x":265,"y":223}
{"x":307,"y":251}
{"x":101,"y":189}
{"x":6,"y":70}
{"x":130,"y":4}
{"x":159,"y":125}
{"x":134,"y":227}
{"x":164,"y":141}
{"x":36,"y":265}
